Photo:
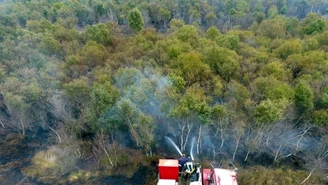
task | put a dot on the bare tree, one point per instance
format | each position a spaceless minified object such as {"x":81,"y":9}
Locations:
{"x":238,"y":132}
{"x":185,"y":128}
{"x":316,"y":160}
{"x":102,"y":142}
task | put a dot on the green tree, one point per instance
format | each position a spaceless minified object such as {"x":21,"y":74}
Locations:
{"x":218,"y":86}
{"x":126,"y":77}
{"x":320,"y":117}
{"x":49,"y":46}
{"x":259,"y":17}
{"x":187,"y":33}
{"x":269,"y":111}
{"x":93,"y":54}
{"x":99,"y":8}
{"x":20,"y":111}
{"x":210,"y":18}
{"x":283,"y":10}
{"x":303,"y":98}
{"x":313,"y":23}
{"x":192,"y":69}
{"x":81,"y":12}
{"x":289,"y":47}
{"x":145,"y":39}
{"x":271,"y":88}
{"x":212,"y":33}
{"x":175,"y":49}
{"x":222,"y":61}
{"x":237,"y":95}
{"x":324,"y":98}
{"x":32,"y":93}
{"x":229,"y":41}
{"x":78,"y":92}
{"x":165,"y":14}
{"x":192,"y":106}
{"x":242,"y":7}
{"x":276,"y":70}
{"x":292,"y":25}
{"x":175,"y":24}
{"x":40,"y":26}
{"x":273,"y":12}
{"x":272,"y":28}
{"x":322,"y":38}
{"x":37,"y":60}
{"x":309,"y":44}
{"x":178,"y":83}
{"x":310,"y":63}
{"x":98,"y":33}
{"x":7,"y":21}
{"x":140,"y":127}
{"x":135,"y":20}
{"x":102,"y":98}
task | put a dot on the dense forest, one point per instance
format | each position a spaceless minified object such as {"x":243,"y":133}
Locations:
{"x":90,"y":89}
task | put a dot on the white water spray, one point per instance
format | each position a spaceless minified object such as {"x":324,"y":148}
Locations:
{"x":191,"y":149}
{"x":176,"y":147}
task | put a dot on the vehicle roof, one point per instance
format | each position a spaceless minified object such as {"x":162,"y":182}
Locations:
{"x":225,"y":177}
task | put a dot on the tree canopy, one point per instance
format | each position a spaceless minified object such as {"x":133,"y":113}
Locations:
{"x":103,"y":83}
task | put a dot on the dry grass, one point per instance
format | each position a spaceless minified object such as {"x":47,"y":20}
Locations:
{"x":49,"y":166}
{"x":259,"y":175}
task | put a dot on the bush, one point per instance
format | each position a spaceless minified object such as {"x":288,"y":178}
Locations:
{"x":51,"y":165}
{"x":259,"y":175}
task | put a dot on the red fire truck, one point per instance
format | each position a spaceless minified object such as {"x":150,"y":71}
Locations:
{"x":193,"y":174}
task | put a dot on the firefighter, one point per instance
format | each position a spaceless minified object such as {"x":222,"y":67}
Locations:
{"x":182,"y":161}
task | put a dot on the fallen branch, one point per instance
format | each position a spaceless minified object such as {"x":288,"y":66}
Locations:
{"x":307,"y":178}
{"x":55,"y":133}
{"x":20,"y":182}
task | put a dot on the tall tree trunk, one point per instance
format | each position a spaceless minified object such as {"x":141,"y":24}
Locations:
{"x":269,"y":134}
{"x":182,"y":136}
{"x":246,"y":158}
{"x":110,"y":15}
{"x":298,"y":142}
{"x":277,"y":153}
{"x":133,"y":131}
{"x":222,"y":139}
{"x":60,"y":140}
{"x":189,"y":127}
{"x":109,"y":158}
{"x":234,"y":153}
{"x":23,"y":127}
{"x":103,"y":147}
{"x":115,"y":151}
{"x":198,"y":140}
{"x":213,"y":149}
